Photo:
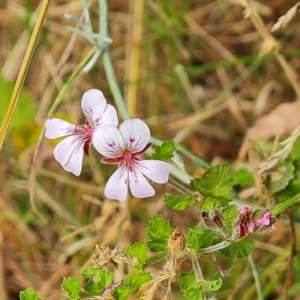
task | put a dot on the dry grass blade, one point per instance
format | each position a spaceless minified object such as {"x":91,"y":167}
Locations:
{"x":192,"y":72}
{"x":285,"y":19}
{"x":185,"y":81}
{"x":3,"y":289}
{"x":23,"y":71}
{"x":134,"y":56}
{"x":282,"y":154}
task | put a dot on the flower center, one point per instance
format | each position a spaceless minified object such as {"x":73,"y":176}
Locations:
{"x":127,"y":156}
{"x":85,"y":130}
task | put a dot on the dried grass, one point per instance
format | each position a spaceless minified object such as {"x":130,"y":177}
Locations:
{"x":195,"y":77}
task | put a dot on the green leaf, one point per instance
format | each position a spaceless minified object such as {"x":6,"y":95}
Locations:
{"x":194,"y":290}
{"x":295,"y":153}
{"x":122,"y":292}
{"x":179,"y":202}
{"x":297,"y":267}
{"x":216,"y":183}
{"x":293,"y":187}
{"x":209,"y":203}
{"x":194,"y":293}
{"x":29,"y":294}
{"x":99,"y":280}
{"x":139,"y":251}
{"x":198,"y":238}
{"x":243,"y":177}
{"x":94,"y":288}
{"x":281,"y":177}
{"x":214,"y":285}
{"x":72,"y":286}
{"x":24,"y":111}
{"x":158,"y":231}
{"x":164,"y":151}
{"x":230,"y":215}
{"x":239,"y":249}
{"x":187,"y":280}
{"x":139,"y":280}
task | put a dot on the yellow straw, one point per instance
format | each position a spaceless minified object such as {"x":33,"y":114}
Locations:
{"x":23,"y":70}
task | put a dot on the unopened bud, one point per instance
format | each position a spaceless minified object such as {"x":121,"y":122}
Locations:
{"x":176,"y":242}
{"x":218,"y":219}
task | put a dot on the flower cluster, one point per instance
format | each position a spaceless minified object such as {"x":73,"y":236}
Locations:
{"x":248,"y":222}
{"x":122,"y":146}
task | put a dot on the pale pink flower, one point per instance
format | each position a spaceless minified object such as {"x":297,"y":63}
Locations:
{"x":266,"y":221}
{"x":69,"y":152}
{"x":124,"y":147}
{"x":244,"y":225}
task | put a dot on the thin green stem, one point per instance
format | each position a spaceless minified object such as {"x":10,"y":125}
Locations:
{"x":283,"y":206}
{"x":199,"y":161}
{"x":216,"y":247}
{"x":256,"y":278}
{"x":179,"y":187}
{"x":157,"y":257}
{"x":198,"y":271}
{"x":108,"y":67}
{"x":114,"y":87}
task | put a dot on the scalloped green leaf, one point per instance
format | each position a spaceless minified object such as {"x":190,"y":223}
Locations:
{"x":139,"y":251}
{"x":217,"y":183}
{"x":230,"y":215}
{"x":72,"y":286}
{"x":122,"y":292}
{"x":293,"y":186}
{"x":243,"y":177}
{"x":208,"y":203}
{"x":198,"y":238}
{"x":158,"y":231}
{"x":239,"y":249}
{"x":295,"y":153}
{"x":281,"y":177}
{"x":99,"y":280}
{"x":179,"y":202}
{"x":29,"y":294}
{"x":194,"y":290}
{"x":164,"y":151}
{"x":140,"y":279}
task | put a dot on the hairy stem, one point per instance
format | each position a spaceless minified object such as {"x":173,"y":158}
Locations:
{"x":283,"y":206}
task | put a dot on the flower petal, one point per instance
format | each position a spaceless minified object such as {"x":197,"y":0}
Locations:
{"x":69,"y":153}
{"x":117,"y":185}
{"x":139,"y":185}
{"x":56,"y":128}
{"x":156,"y":170}
{"x":136,"y":134}
{"x":93,"y":105}
{"x":109,"y":117}
{"x":108,"y":141}
{"x":265,"y":219}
